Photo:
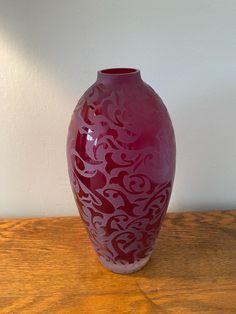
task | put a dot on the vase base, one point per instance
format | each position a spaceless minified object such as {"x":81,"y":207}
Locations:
{"x":124,"y":268}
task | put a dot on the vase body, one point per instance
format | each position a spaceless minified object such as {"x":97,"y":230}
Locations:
{"x":121,"y":162}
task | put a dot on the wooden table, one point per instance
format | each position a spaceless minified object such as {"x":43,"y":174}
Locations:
{"x":48,"y":266}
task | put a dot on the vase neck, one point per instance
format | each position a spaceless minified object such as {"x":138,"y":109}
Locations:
{"x":119,"y":76}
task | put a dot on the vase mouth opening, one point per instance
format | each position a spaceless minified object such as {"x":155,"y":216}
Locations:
{"x":119,"y":71}
{"x":118,"y":75}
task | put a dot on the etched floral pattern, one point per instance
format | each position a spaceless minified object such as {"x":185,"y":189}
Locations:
{"x":121,"y":157}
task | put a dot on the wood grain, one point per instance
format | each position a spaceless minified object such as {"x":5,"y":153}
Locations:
{"x":48,"y":266}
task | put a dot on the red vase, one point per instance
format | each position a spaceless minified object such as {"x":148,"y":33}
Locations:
{"x":121,"y":161}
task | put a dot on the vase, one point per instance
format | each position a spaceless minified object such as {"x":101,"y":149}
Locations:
{"x":121,"y":162}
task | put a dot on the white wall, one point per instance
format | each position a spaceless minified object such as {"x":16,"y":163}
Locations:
{"x":49,"y":54}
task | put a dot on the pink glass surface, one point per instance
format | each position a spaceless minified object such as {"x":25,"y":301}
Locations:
{"x":121,"y":161}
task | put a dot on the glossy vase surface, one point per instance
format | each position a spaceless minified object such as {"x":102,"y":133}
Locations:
{"x":121,"y":161}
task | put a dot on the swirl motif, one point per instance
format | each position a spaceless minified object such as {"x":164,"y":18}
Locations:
{"x":121,"y":158}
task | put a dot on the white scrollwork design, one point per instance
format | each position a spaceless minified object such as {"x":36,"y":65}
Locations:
{"x":121,"y":163}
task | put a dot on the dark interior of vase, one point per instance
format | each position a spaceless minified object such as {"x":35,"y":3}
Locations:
{"x":119,"y":71}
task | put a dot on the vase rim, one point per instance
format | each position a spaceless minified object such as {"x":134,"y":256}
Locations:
{"x":118,"y":71}
{"x":118,"y":75}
